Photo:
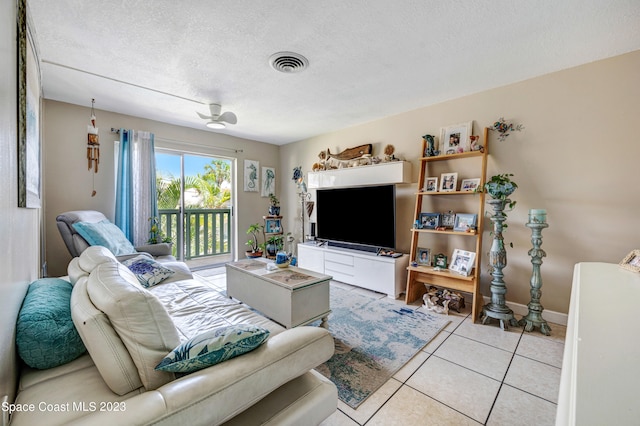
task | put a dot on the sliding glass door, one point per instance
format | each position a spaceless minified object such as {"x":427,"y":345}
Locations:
{"x":194,"y":204}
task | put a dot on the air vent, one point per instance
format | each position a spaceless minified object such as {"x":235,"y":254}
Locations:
{"x":288,"y":62}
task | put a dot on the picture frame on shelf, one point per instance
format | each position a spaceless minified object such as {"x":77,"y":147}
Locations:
{"x":430,"y":220}
{"x":448,"y":219}
{"x":272,"y":226}
{"x":468,"y":185}
{"x":465,"y":222}
{"x":448,"y":182}
{"x":423,"y":256}
{"x":462,"y":261}
{"x":631,"y":261}
{"x":440,"y":260}
{"x":455,"y":138}
{"x":430,"y":184}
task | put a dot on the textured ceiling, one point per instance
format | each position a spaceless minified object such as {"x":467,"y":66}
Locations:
{"x":166,"y":59}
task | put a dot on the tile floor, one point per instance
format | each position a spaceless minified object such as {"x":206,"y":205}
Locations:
{"x":470,"y":374}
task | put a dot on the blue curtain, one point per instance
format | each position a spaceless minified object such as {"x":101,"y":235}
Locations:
{"x":136,"y":198}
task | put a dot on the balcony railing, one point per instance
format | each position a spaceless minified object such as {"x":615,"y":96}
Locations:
{"x":207,"y":231}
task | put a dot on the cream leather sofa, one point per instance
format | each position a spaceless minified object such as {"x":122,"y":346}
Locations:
{"x":115,"y":383}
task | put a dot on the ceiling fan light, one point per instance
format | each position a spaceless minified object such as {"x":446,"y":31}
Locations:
{"x":216,"y":125}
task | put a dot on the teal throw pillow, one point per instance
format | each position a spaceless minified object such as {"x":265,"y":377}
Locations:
{"x":148,"y":271}
{"x":105,"y":234}
{"x":45,"y":334}
{"x":213,"y":347}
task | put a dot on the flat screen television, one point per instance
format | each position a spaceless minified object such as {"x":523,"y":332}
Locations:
{"x":362,"y":217}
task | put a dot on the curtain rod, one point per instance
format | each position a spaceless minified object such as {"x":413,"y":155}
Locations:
{"x":221,"y":148}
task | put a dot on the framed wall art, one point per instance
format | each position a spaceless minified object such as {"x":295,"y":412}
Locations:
{"x":251,"y":168}
{"x":29,"y":110}
{"x":268,"y":181}
{"x":632,"y":261}
{"x":448,"y":182}
{"x":455,"y":139}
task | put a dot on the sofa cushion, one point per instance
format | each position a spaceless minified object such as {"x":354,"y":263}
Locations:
{"x":105,"y":234}
{"x":109,"y":354}
{"x":212,"y":347}
{"x":45,"y":334}
{"x":137,"y":316}
{"x":148,"y":271}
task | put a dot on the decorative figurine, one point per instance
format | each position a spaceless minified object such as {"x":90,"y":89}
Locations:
{"x":431,"y":146}
{"x":502,"y":127}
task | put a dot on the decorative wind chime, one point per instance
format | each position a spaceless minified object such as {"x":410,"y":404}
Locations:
{"x":93,"y":146}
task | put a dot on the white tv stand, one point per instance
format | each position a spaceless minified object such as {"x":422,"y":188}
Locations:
{"x":367,"y":270}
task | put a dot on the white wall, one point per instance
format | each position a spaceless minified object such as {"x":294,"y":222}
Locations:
{"x":577,"y":157}
{"x":68,"y":183}
{"x":19,"y":228}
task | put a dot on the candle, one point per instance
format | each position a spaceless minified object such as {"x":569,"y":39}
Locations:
{"x":537,"y":216}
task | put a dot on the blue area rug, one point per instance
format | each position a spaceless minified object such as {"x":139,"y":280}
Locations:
{"x":374,"y":338}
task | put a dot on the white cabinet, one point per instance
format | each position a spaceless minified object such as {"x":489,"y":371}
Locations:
{"x":600,"y":368}
{"x":378,"y":273}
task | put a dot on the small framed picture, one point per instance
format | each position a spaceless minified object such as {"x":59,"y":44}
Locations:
{"x":423,"y":256}
{"x":455,"y":139}
{"x":465,"y":222}
{"x":272,"y":226}
{"x":430,"y":184}
{"x":448,"y":219}
{"x":430,"y":220}
{"x":470,"y":184}
{"x":462,"y":261}
{"x":448,"y":182}
{"x":440,"y":260}
{"x":632,"y":261}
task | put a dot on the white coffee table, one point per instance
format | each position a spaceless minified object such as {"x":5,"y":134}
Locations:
{"x":290,"y":296}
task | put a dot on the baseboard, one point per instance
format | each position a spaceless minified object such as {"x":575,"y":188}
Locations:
{"x":522,"y":310}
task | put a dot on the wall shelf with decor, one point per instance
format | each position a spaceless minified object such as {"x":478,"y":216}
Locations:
{"x":428,"y":192}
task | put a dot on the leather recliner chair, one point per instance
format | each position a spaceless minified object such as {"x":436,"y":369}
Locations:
{"x":76,"y":244}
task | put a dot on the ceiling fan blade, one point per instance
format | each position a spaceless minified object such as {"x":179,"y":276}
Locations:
{"x":229,"y":117}
{"x":204,"y":117}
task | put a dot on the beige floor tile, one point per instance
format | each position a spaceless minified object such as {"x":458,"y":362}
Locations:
{"x":409,"y":407}
{"x":491,"y":334}
{"x":409,"y":368}
{"x":338,"y":419}
{"x":558,"y":332}
{"x":544,"y":350}
{"x":476,"y":356}
{"x":463,"y":390}
{"x":369,"y":407}
{"x":517,"y":408}
{"x":436,"y":341}
{"x":531,"y":376}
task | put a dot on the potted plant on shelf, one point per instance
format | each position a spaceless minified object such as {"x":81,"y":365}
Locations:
{"x":256,"y":249}
{"x":274,"y":208}
{"x":274,"y":244}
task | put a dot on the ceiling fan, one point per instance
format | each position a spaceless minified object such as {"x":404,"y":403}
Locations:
{"x":217,"y":120}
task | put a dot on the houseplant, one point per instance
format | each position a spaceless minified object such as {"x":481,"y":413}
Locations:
{"x":274,"y":244}
{"x":156,"y":235}
{"x":274,"y":208}
{"x":256,"y":248}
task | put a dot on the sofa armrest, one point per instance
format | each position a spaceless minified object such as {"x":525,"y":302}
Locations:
{"x":218,"y":393}
{"x":155,"y":250}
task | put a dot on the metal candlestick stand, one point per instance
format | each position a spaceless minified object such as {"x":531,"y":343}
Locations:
{"x":498,"y":260}
{"x":534,"y":317}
